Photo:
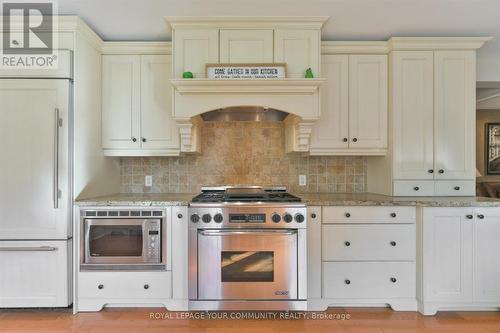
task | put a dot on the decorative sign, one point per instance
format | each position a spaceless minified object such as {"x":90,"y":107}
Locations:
{"x":246,"y":71}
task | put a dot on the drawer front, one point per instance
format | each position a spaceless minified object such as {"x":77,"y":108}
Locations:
{"x":368,"y":242}
{"x":368,"y":214}
{"x":368,"y":280}
{"x":414,"y":188}
{"x":455,"y":188}
{"x":125,"y":285}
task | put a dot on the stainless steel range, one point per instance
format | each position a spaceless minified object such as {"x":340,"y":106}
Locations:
{"x":247,"y":250}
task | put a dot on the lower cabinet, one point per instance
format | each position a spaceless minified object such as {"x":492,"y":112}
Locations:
{"x":35,"y":274}
{"x":459,"y":262}
{"x":362,"y":256}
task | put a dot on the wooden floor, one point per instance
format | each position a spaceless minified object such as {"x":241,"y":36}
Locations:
{"x":139,"y":321}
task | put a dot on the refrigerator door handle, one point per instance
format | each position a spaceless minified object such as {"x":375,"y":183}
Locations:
{"x":56,"y":159}
{"x":28,"y":248}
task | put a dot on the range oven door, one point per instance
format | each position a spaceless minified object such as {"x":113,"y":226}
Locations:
{"x":122,"y":241}
{"x":247,"y":264}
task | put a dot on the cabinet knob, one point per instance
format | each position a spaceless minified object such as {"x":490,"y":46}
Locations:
{"x":393,"y":243}
{"x":347,"y":281}
{"x":347,"y":214}
{"x":457,"y":188}
{"x":469,"y":217}
{"x":416,"y":188}
{"x":179,"y":216}
{"x":344,"y":139}
{"x":441,"y":171}
{"x":354,"y":140}
{"x":347,"y":243}
{"x":101,"y":286}
{"x":313,"y":215}
{"x":134,"y":139}
{"x":430,"y":171}
{"x":146,"y":286}
{"x":143,"y":139}
{"x":480,"y":216}
{"x":393,"y":215}
{"x":393,"y":280}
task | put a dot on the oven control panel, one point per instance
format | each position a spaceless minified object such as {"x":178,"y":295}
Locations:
{"x":152,"y":246}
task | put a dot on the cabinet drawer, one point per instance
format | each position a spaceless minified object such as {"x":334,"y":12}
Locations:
{"x":368,"y":280}
{"x":414,"y":188}
{"x":125,"y":285}
{"x":368,"y":242}
{"x":368,"y":214}
{"x":455,"y":188}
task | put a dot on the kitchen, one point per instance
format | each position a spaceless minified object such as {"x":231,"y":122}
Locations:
{"x":345,"y":180}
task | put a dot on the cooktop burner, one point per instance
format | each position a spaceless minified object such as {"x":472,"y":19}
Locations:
{"x":244,"y":194}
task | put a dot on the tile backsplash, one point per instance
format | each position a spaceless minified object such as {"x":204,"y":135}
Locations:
{"x":243,"y":153}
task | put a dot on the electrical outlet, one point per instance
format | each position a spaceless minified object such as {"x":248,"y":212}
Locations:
{"x":148,"y":181}
{"x":302,"y":180}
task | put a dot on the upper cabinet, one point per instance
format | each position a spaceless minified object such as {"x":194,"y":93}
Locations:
{"x":193,"y":49}
{"x":299,"y":50}
{"x":137,"y":106}
{"x":354,"y":106}
{"x":246,"y":46}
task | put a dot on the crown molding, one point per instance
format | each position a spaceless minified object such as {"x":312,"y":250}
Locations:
{"x":433,"y":43}
{"x":242,"y":22}
{"x":354,"y":47}
{"x":136,"y":48}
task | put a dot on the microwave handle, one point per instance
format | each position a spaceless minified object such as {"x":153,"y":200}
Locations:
{"x":247,"y":232}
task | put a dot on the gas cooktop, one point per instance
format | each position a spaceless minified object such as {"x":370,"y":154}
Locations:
{"x":244,"y":194}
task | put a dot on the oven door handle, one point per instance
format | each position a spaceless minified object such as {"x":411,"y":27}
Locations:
{"x":247,"y":232}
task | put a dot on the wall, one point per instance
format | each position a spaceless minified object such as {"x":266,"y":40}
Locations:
{"x":243,"y":153}
{"x":483,"y":117}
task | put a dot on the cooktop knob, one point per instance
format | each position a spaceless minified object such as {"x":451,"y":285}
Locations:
{"x":195,"y":218}
{"x":218,"y":218}
{"x":206,"y":218}
{"x":288,"y":218}
{"x":276,"y":218}
{"x":299,"y":218}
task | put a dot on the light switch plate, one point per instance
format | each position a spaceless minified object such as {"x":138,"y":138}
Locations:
{"x":148,"y":181}
{"x":302,"y":180}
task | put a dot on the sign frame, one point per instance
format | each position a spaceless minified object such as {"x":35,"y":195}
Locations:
{"x":245,"y":71}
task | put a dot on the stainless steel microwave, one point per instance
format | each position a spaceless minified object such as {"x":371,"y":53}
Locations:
{"x":114,"y":239}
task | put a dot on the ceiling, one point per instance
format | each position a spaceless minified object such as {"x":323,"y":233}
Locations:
{"x":349,"y":19}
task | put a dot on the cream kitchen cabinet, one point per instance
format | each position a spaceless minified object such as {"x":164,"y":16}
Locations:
{"x":298,"y":48}
{"x":459,"y":263}
{"x":433,"y":122}
{"x":193,"y":49}
{"x":354,"y":106}
{"x":246,"y":46}
{"x":137,"y":117}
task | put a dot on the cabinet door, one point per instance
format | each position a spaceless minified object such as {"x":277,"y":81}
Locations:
{"x":121,"y":101}
{"x":246,"y":46}
{"x":332,"y":131}
{"x":447,"y":254}
{"x":158,"y":129}
{"x":368,"y":101}
{"x":29,"y":174}
{"x":193,"y":49}
{"x":34,"y":274}
{"x":299,"y":49}
{"x":454,"y":112}
{"x":486,"y":258}
{"x":413,"y":112}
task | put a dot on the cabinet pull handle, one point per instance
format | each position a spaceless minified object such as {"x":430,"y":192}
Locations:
{"x":58,"y":123}
{"x":144,"y":140}
{"x":354,"y":140}
{"x":393,"y":280}
{"x":134,"y":139}
{"x":179,"y":216}
{"x":346,"y":281}
{"x":393,"y":243}
{"x":344,"y":139}
{"x":101,"y":286}
{"x":480,"y":216}
{"x":146,"y":286}
{"x":456,"y":188}
{"x":430,"y":171}
{"x":416,"y":188}
{"x":347,"y":243}
{"x":393,"y":215}
{"x":347,"y":214}
{"x":441,"y":171}
{"x":28,"y":249}
{"x":469,"y":216}
{"x":313,"y":215}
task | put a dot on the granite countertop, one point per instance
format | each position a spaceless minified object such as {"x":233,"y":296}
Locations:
{"x":370,"y":199}
{"x":311,"y":199}
{"x":138,"y":199}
